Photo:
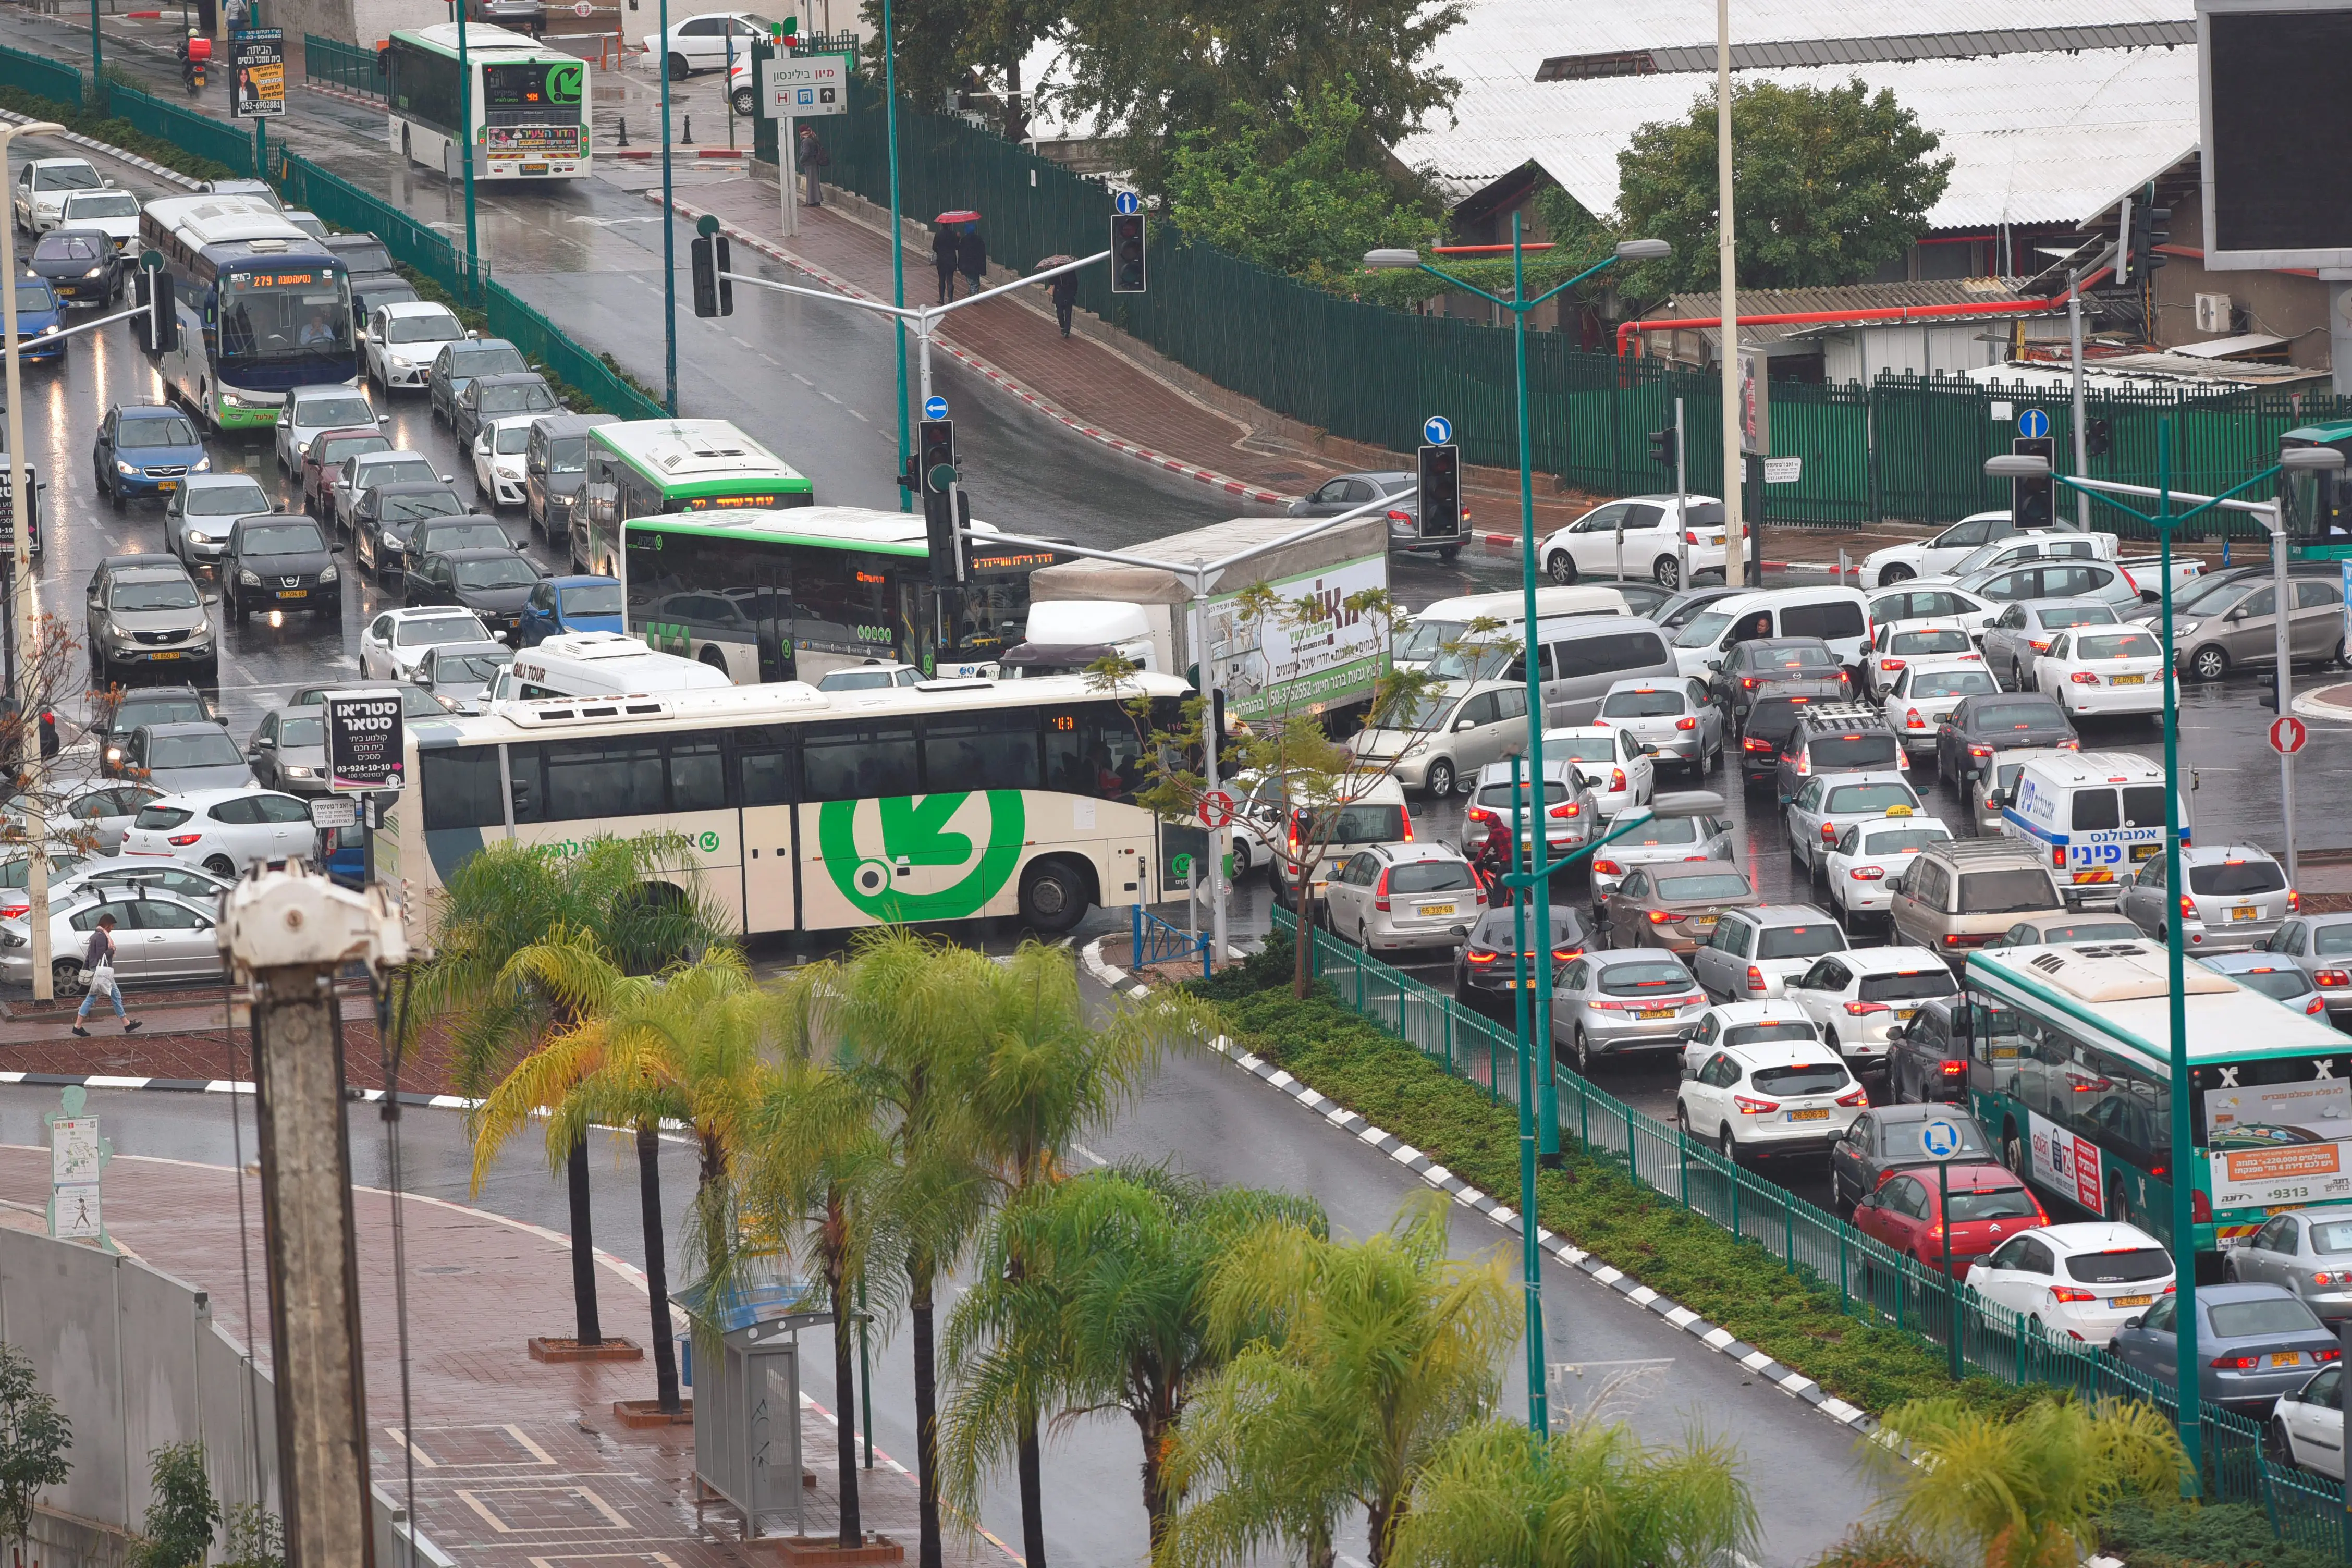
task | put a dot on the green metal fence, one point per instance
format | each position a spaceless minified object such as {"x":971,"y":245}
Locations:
{"x":1870,"y":1281}
{"x":342,"y":65}
{"x":31,"y":73}
{"x":184,"y":128}
{"x":341,"y":205}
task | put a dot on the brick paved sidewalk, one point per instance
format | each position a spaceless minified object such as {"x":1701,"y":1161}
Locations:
{"x":183,"y":1039}
{"x":519,"y":1465}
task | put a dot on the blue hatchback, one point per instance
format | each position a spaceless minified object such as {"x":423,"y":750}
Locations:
{"x":40,"y":317}
{"x":562,"y":605}
{"x":145,"y":449}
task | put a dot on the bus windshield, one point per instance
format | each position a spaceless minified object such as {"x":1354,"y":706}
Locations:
{"x":300,"y":312}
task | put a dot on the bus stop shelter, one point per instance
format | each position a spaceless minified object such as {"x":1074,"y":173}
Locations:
{"x":746,"y":1395}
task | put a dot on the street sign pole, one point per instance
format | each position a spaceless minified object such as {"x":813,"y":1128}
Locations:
{"x":788,"y":164}
{"x":1939,"y":1140}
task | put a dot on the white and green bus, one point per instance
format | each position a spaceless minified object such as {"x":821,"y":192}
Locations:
{"x":808,"y":810}
{"x":2070,"y":1071}
{"x":645,"y":467}
{"x":523,"y":105}
{"x":263,"y":307}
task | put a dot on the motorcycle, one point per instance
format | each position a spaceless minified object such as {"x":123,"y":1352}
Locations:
{"x":195,"y":55}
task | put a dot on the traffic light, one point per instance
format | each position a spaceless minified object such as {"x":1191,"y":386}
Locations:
{"x":2098,"y":438}
{"x":1127,"y":253}
{"x":2150,"y":228}
{"x":935,"y":475}
{"x":1662,"y":448}
{"x":1440,"y":491}
{"x":162,"y":312}
{"x":2033,"y":503}
{"x":714,"y":294}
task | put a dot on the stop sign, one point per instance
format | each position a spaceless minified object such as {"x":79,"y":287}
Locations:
{"x":2287,"y":734}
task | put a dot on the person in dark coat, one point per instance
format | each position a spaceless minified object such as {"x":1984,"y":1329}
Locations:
{"x":1066,"y":298}
{"x":972,"y":257}
{"x":943,"y":261}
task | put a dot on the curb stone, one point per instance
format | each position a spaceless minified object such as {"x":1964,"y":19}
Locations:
{"x":118,"y":155}
{"x":1722,"y":1342}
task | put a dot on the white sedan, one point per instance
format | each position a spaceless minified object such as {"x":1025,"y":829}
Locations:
{"x":395,"y":642}
{"x":2101,"y":670}
{"x":42,"y":186}
{"x":1615,"y":763}
{"x":1927,"y":690}
{"x":2081,"y":1281}
{"x":1937,"y":602}
{"x":1898,"y":643}
{"x":1869,"y":854}
{"x":1645,"y":534}
{"x":223,"y":830}
{"x":705,"y":43}
{"x":1933,"y":557}
{"x":498,"y":448}
{"x":405,"y":337}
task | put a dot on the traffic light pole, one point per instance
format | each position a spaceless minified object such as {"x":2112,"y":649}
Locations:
{"x":1682,"y":506}
{"x":2082,"y":433}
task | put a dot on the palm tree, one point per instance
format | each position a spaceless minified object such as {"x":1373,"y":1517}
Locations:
{"x":1109,"y":1312}
{"x":2024,"y":1491}
{"x":1356,"y":1361}
{"x":1496,"y":1496}
{"x":508,"y":897}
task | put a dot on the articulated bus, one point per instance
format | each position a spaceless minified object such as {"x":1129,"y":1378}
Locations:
{"x":263,"y":307}
{"x":2070,"y":1071}
{"x":640,"y":468}
{"x":523,"y":104}
{"x":808,"y":810}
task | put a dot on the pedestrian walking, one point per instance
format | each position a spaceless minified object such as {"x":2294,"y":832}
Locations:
{"x":1066,"y":299}
{"x":972,"y":257}
{"x":943,"y":261}
{"x":98,"y":962}
{"x":814,"y":160}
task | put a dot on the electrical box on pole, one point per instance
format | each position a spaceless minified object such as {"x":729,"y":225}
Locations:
{"x":2033,"y":502}
{"x":1439,"y":490}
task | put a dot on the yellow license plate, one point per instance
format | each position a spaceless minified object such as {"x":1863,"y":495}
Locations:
{"x":1437,"y":909}
{"x":1700,"y":920}
{"x":2127,"y":680}
{"x":534,"y":168}
{"x":2244,"y":912}
{"x":2130,"y":1300}
{"x":167,"y":484}
{"x":1655,"y":1012}
{"x":166,"y":653}
{"x":1905,"y":1013}
{"x":2287,"y":1358}
{"x":1809,"y":1116}
{"x":293,"y":593}
{"x":2144,"y":851}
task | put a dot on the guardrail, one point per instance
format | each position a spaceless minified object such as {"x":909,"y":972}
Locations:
{"x":1871,"y":1280}
{"x":1157,"y":941}
{"x":184,"y":128}
{"x":346,"y":66}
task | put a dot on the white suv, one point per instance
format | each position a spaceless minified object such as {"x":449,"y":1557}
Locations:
{"x":1857,"y":995}
{"x":1772,"y":1096}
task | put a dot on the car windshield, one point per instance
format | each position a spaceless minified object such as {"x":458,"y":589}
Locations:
{"x":2119,"y":1266}
{"x":1873,"y":799}
{"x":425,"y":503}
{"x":1954,"y":683}
{"x":2269,"y":1315}
{"x":513,"y":571}
{"x":592,"y":599}
{"x":363,"y":255}
{"x":1903,"y":840}
{"x":511,"y":438}
{"x":1991,"y":1203}
{"x":1642,"y":979}
{"x":1908,"y":985}
{"x":427,"y":630}
{"x":157,"y":593}
{"x":335,"y":451}
{"x":1778,"y":1029}
{"x":1483,"y":660}
{"x":424,"y":327}
{"x":1945,"y":639}
{"x":74,"y":176}
{"x":171,"y":430}
{"x":1425,"y":712}
{"x":463,"y":536}
{"x":2018,"y":716}
{"x":33,"y":294}
{"x":464,"y":667}
{"x":396,"y":471}
{"x":2235,"y":876}
{"x":1642,"y":705}
{"x":281,"y":538}
{"x":65,"y":247}
{"x":160,"y":817}
{"x":1430,"y":877}
{"x":307,"y":730}
{"x":1836,"y":752}
{"x":326,"y":412}
{"x":514,"y":399}
{"x":1712,"y":887}
{"x":213,"y":749}
{"x":1808,"y":1078}
{"x":1360,"y":823}
{"x":1704,"y":629}
{"x":2118,"y":645}
{"x":2011,"y":893}
{"x":1498,"y":795}
{"x":1901,"y":1139}
{"x":1808,"y":941}
{"x":2278,"y":984}
{"x":107,"y":204}
{"x":230,"y":499}
{"x":2058,"y":617}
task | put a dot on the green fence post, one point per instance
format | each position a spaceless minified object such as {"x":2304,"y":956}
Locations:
{"x":1633,"y":1161}
{"x":1845,"y":1282}
{"x":1681,"y":1155}
{"x":1789,"y":1232}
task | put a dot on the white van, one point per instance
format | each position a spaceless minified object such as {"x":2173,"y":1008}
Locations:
{"x":1838,"y":617}
{"x":1448,"y":620}
{"x":596,"y":664}
{"x":2094,"y":816}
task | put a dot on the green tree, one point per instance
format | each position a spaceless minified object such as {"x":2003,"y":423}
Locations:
{"x":2024,"y":1490}
{"x":1148,"y":71}
{"x":945,"y":45}
{"x":509,"y":897}
{"x":1356,"y":1361}
{"x":1494,"y":1496}
{"x":1283,"y":187}
{"x":34,"y":1438}
{"x":1108,"y":1311}
{"x":178,"y":1529}
{"x":1832,"y":184}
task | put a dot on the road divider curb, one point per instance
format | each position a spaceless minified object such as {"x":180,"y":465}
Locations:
{"x":1005,"y":382}
{"x":1722,"y":1342}
{"x":120,"y":154}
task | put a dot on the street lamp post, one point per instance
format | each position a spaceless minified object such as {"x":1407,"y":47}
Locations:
{"x":670,"y":229}
{"x":897,"y":239}
{"x":1518,"y":305}
{"x":2182,"y":1171}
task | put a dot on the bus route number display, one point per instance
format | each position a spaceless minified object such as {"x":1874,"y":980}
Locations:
{"x":366,"y":746}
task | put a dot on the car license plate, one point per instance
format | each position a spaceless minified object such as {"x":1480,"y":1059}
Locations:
{"x":165,"y":653}
{"x":1809,"y":1116}
{"x":1906,"y":1013}
{"x":2144,"y":851}
{"x":167,"y":484}
{"x":2129,"y":1300}
{"x":2287,"y":1358}
{"x":2127,"y":680}
{"x":2244,"y":912}
{"x":1431,"y":910}
{"x":1655,"y":1012}
{"x":293,"y":593}
{"x":1704,"y":922}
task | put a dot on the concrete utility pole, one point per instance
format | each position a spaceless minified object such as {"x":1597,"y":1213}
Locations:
{"x":287,"y":934}
{"x":1735,"y":543}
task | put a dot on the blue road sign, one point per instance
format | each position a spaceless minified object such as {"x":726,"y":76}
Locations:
{"x":1437,"y":429}
{"x":2033,"y":423}
{"x":1125,"y":203}
{"x":935,"y":407}
{"x":1939,"y":1137}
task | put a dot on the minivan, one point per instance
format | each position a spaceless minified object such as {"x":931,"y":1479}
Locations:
{"x":2093,"y":817}
{"x":1578,"y":659}
{"x":2223,"y":627}
{"x":554,"y":466}
{"x":1838,"y":617}
{"x":1449,"y":620}
{"x":1966,"y":893}
{"x":1278,"y":831}
{"x":1455,"y":730}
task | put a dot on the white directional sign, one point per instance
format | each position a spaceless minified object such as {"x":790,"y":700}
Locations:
{"x":1783,"y":470}
{"x":800,"y":86}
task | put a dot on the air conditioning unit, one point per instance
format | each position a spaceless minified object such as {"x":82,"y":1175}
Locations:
{"x":2212,"y":313}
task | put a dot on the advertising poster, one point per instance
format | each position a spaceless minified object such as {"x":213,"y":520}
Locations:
{"x":2287,"y":1173}
{"x":2315,"y":1110}
{"x":365,"y":748}
{"x":258,"y":59}
{"x":1282,"y":662}
{"x":2065,"y":1163}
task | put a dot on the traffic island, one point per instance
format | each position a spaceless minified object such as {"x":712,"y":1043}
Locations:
{"x":642,"y":1413}
{"x":813,"y":1550}
{"x":543,"y":1347}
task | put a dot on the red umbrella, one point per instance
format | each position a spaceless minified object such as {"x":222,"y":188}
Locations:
{"x":958,"y":214}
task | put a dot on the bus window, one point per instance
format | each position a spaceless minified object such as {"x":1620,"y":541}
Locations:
{"x":461,"y":787}
{"x":589,"y":780}
{"x":1092,"y":748}
{"x":986,"y":751}
{"x":766,"y":777}
{"x":698,"y":779}
{"x":860,"y":762}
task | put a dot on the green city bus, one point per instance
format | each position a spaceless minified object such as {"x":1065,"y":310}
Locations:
{"x":2317,"y":507}
{"x":648,"y":467}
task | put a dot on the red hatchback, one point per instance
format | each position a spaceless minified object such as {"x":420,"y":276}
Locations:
{"x":327,"y":449}
{"x":1989,"y":1205}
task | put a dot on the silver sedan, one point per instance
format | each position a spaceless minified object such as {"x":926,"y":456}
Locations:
{"x":158,"y":936}
{"x":1672,"y":715}
{"x":1621,"y":1002}
{"x":2024,"y":631}
{"x":2321,"y":946}
{"x":2307,"y":1251}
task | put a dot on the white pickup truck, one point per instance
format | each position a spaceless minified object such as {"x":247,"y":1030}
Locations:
{"x":1991,"y":539}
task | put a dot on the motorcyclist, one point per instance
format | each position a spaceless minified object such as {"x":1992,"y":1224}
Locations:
{"x":196,"y":52}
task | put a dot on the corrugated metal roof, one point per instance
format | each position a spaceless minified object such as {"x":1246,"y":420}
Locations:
{"x":1889,"y":296}
{"x":1970,"y":45}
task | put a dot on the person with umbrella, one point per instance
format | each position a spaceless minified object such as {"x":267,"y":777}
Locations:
{"x":1064,"y":288}
{"x":971,"y":255}
{"x":943,"y":257}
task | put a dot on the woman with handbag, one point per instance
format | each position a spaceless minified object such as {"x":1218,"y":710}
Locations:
{"x":98,"y":962}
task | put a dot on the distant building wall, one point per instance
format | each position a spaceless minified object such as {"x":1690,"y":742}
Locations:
{"x":2288,"y":304}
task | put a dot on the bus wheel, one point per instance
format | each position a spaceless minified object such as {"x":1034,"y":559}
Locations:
{"x":407,"y":155}
{"x":716,"y":660}
{"x":2012,"y":1154}
{"x":2117,"y":1212}
{"x":1053,"y":897}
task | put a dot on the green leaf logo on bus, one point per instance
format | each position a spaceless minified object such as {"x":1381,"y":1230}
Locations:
{"x":564,"y":84}
{"x":914,"y":828}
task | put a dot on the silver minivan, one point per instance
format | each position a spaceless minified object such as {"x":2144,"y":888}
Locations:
{"x":1578,"y":659}
{"x":1458,"y":729}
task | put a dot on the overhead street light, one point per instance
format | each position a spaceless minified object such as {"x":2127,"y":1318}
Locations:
{"x":1644,"y":249}
{"x":2017,"y":466}
{"x":2311,"y":459}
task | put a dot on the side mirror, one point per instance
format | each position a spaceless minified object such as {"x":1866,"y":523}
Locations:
{"x":1462,"y":724}
{"x":1714,"y":664}
{"x":2132,"y":1322}
{"x":384,"y":418}
{"x":1688,"y":1031}
{"x":448,"y":478}
{"x":1689,"y":1074}
{"x":212,"y":598}
{"x":279,"y":507}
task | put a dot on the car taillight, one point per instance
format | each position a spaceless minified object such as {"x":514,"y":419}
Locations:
{"x":1868,"y":873}
{"x":2200,"y":1207}
{"x":1609,"y":867}
{"x":2315,"y":1007}
{"x":2070,"y":743}
{"x":1805,"y":766}
{"x":1863,"y":1009}
{"x":2068,"y":1293}
{"x":1616,"y":780}
{"x":1954,"y":1068}
{"x":1660,"y":917}
{"x":1381,"y":894}
{"x":2237,"y":1362}
{"x":1979,"y":752}
{"x":1886,"y":664}
{"x":2293,"y":902}
{"x":1747,"y":1107}
{"x":182,"y":840}
{"x":1855,"y":1096}
{"x":1569,"y":810}
{"x":2332,"y":1353}
{"x":2058,"y":859}
{"x":1754,"y":743}
{"x":1399,"y":517}
{"x":1408,"y":823}
{"x":2332,"y":1277}
{"x":1829,"y":831}
{"x":1481,"y":815}
{"x":15,"y":906}
{"x":1294,"y":833}
{"x":2188,"y":908}
{"x":2133,"y":583}
{"x":1480,"y":958}
{"x":1686,"y":723}
{"x":1748,"y":681}
{"x":2332,"y":977}
{"x":1691,"y":538}
{"x":1564,"y":953}
{"x":1912,"y":721}
{"x":2037,"y":646}
{"x":1756,"y":981}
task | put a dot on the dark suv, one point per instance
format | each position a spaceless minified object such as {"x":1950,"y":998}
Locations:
{"x":1733,"y":679}
{"x":279,"y":563}
{"x":1836,"y":738}
{"x":1773,"y":710}
{"x":1928,"y":1058}
{"x":1982,"y":726}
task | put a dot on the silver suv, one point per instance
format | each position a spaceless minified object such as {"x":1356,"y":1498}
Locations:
{"x":1396,"y":896}
{"x":1755,"y":952}
{"x":2237,"y":896}
{"x":147,"y":610}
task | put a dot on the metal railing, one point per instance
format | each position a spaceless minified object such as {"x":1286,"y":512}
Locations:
{"x":1157,"y":941}
{"x":1870,"y":1281}
{"x":541,"y":340}
{"x":46,"y":78}
{"x":346,"y":66}
{"x":201,"y":135}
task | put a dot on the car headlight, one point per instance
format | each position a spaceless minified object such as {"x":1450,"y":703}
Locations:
{"x":122,"y":468}
{"x":93,"y":272}
{"x":1414,"y":750}
{"x":292,"y":772}
{"x":248,"y":578}
{"x":51,"y":330}
{"x":198,"y":536}
{"x":327,"y":574}
{"x":400,"y":364}
{"x":203,"y":465}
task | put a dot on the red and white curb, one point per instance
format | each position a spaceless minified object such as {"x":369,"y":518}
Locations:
{"x":346,"y":95}
{"x":119,"y":155}
{"x":1045,"y":406}
{"x":1722,"y":1342}
{"x":737,"y":152}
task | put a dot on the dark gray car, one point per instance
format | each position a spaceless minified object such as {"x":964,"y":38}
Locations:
{"x":489,"y":397}
{"x":146,"y":611}
{"x":460,"y":672}
{"x":1982,"y":726}
{"x":288,"y":750}
{"x":279,"y":563}
{"x":2254,"y":1342}
{"x":177,"y":758}
{"x":554,"y":466}
{"x":461,"y":363}
{"x":386,"y":516}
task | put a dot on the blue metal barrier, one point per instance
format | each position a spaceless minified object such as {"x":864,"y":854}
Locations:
{"x":1157,"y":941}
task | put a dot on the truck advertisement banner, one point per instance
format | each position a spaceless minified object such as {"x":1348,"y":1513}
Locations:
{"x":1285,"y":662}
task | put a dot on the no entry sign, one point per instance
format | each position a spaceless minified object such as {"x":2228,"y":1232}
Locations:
{"x":1216,"y":809}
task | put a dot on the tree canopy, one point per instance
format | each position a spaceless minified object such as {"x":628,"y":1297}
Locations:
{"x":1829,"y":184}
